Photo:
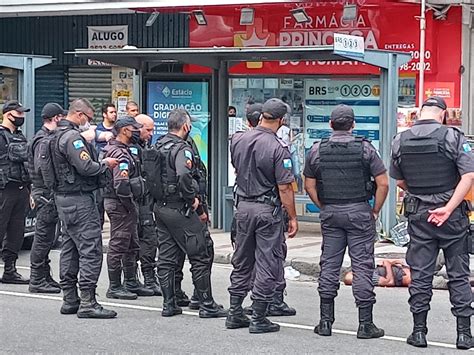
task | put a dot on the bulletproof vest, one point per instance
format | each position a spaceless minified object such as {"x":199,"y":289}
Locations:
{"x":425,"y":166}
{"x":68,"y":180}
{"x":199,"y":169}
{"x":344,"y":175}
{"x":33,"y":149}
{"x":13,"y":158}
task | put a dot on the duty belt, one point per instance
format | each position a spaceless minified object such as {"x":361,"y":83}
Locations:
{"x":272,"y":201}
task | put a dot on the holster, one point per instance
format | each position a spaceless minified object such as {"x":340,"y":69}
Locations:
{"x":410,"y":205}
{"x":145,"y":216}
{"x":470,"y":239}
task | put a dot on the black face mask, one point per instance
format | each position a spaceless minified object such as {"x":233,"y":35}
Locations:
{"x":135,"y":138}
{"x":18,"y":121}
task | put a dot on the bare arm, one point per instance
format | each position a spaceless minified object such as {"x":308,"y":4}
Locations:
{"x":310,"y":187}
{"x":388,"y":280}
{"x":402,"y":184}
{"x":287,"y":197}
{"x":381,"y":192}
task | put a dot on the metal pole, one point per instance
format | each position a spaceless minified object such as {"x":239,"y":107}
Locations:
{"x":421,"y":91}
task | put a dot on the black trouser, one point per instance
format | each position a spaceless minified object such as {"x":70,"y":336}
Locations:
{"x":45,"y":231}
{"x":350,"y":225}
{"x":178,"y":234}
{"x":148,"y":237}
{"x":123,"y":243}
{"x":425,"y":242}
{"x":100,"y":206}
{"x":258,"y":245}
{"x":82,"y":240}
{"x":14,"y":201}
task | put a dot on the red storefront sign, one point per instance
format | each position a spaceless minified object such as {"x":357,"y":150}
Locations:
{"x":384,"y":24}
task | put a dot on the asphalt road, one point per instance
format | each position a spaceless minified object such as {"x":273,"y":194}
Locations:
{"x":32,"y":324}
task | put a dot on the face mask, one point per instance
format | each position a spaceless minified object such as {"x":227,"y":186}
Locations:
{"x":18,"y":121}
{"x":85,"y":126}
{"x":135,"y":138}
{"x":186,"y":136}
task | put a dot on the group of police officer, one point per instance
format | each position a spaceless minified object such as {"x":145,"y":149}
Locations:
{"x":164,"y":185}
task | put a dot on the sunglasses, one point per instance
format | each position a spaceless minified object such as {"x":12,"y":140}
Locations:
{"x":89,"y":118}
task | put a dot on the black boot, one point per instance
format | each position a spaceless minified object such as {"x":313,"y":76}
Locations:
{"x":418,"y":336}
{"x":326,"y":308}
{"x":131,"y":282}
{"x":116,"y":289}
{"x":278,"y":307}
{"x":248,"y":310}
{"x":170,"y":308}
{"x":38,"y":283}
{"x":258,"y":322}
{"x":182,"y":299}
{"x":71,"y":301}
{"x":90,"y":308}
{"x":209,"y":308}
{"x":194,"y":304}
{"x":367,"y":328}
{"x":150,"y":281}
{"x":48,"y":276}
{"x":463,"y":327}
{"x":11,"y":276}
{"x":236,"y":317}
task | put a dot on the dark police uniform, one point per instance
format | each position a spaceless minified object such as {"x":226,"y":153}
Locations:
{"x":179,"y":228}
{"x":78,"y":174}
{"x":261,"y":162}
{"x":46,"y":216}
{"x":14,"y":197}
{"x":430,"y":158}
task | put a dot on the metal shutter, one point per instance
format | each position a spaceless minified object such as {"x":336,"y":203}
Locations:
{"x":49,"y":87}
{"x":92,"y":83}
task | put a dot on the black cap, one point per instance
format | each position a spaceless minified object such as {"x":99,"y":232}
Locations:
{"x":14,"y":105}
{"x":435,"y":101}
{"x":342,"y":113}
{"x":52,"y":109}
{"x":254,"y":112}
{"x":274,"y":109}
{"x":127,"y":121}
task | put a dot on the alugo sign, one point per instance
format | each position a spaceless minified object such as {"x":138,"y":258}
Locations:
{"x":106,"y":37}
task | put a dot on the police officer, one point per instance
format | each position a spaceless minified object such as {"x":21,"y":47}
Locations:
{"x":41,"y":280}
{"x":179,"y":226}
{"x":124,"y":188}
{"x":342,"y":173}
{"x":146,"y":225}
{"x":435,"y":166}
{"x":77,"y":174}
{"x":14,"y":192}
{"x":263,"y":167}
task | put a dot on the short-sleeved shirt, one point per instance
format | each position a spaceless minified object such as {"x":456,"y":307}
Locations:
{"x":457,"y":149}
{"x":261,"y":161}
{"x":370,"y":155}
{"x":101,"y":128}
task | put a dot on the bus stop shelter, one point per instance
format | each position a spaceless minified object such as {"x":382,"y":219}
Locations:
{"x":220,"y":59}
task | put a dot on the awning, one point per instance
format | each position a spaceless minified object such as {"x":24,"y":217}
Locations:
{"x":213,"y":56}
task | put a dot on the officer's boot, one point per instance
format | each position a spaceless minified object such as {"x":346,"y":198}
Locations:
{"x":209,"y":308}
{"x":258,"y":322}
{"x":48,"y":275}
{"x":463,"y":327}
{"x":38,"y":283}
{"x":418,"y":336}
{"x":278,"y":306}
{"x":150,"y":281}
{"x":90,"y":308}
{"x":71,"y":301}
{"x":326,"y":308}
{"x":170,"y":308}
{"x":367,"y":328}
{"x":116,"y":289}
{"x":248,"y":310}
{"x":131,"y":282}
{"x":182,"y":299}
{"x":11,"y":276}
{"x":194,"y":304}
{"x":236,"y":317}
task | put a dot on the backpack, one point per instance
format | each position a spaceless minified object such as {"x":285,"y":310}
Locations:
{"x":46,"y":148}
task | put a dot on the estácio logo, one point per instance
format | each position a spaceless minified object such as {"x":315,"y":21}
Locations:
{"x":166,"y":91}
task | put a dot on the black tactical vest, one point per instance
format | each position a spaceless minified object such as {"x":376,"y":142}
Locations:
{"x":34,"y":171}
{"x":425,"y":166}
{"x":344,"y":176}
{"x":13,"y":158}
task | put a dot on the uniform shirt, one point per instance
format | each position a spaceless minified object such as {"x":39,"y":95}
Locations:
{"x":38,"y":185}
{"x":457,"y":149}
{"x":19,"y":172}
{"x":261,"y":161}
{"x":101,"y":128}
{"x":369,"y":154}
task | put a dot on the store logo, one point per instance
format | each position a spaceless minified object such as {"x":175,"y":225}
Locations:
{"x":166,"y":91}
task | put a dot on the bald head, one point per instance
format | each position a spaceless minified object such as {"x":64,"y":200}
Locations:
{"x":147,"y":130}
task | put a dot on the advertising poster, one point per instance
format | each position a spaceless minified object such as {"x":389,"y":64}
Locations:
{"x":322,"y":96}
{"x":165,"y":96}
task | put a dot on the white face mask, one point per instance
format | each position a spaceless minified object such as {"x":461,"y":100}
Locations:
{"x":85,"y":126}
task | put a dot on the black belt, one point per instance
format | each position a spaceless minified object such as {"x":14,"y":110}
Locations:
{"x":171,"y":204}
{"x":77,"y":193}
{"x":260,"y":199}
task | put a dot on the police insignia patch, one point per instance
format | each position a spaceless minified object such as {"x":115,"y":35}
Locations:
{"x":84,"y":156}
{"x":287,"y":164}
{"x":124,"y":173}
{"x":466,"y":147}
{"x":189,"y":164}
{"x":134,"y":150}
{"x":123,"y":166}
{"x":188,"y":154}
{"x":78,"y":144}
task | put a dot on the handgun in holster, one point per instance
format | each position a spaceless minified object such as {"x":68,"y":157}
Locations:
{"x":410,"y":205}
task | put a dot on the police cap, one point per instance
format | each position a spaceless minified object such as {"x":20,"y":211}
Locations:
{"x":254,"y":112}
{"x":127,"y":121}
{"x":14,"y":105}
{"x":52,"y":109}
{"x":342,"y":113}
{"x":435,"y":101}
{"x":274,"y":109}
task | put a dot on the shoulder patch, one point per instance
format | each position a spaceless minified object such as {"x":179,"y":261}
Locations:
{"x":134,"y":150}
{"x":84,"y":155}
{"x":287,"y":164}
{"x":466,"y":147}
{"x":123,"y":166}
{"x":188,"y":154}
{"x":78,"y":144}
